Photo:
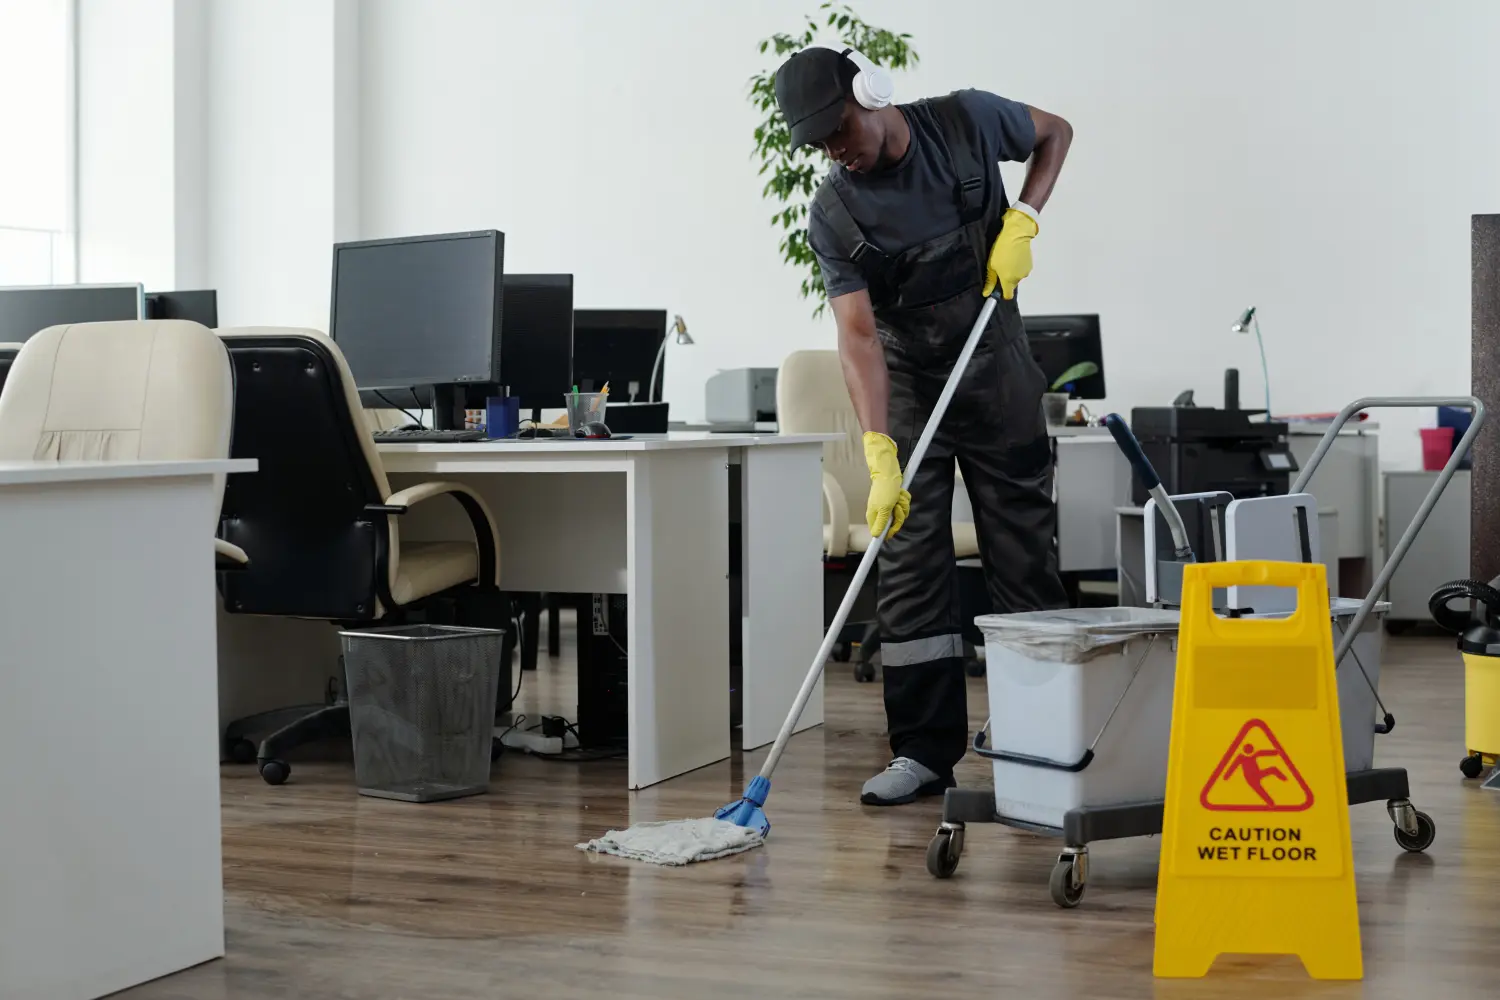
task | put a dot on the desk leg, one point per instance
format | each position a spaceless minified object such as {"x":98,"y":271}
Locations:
{"x":782,"y":538}
{"x":677,"y":554}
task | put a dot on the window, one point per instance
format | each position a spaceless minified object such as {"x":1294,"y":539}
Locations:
{"x":37,"y":245}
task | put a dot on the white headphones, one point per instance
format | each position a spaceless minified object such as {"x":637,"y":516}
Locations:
{"x":873,"y":86}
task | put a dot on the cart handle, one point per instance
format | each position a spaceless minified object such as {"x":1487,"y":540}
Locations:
{"x":1398,"y":553}
{"x":1029,"y":760}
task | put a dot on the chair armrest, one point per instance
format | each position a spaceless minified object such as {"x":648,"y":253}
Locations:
{"x":486,"y":534}
{"x":837,"y":506}
{"x":228,"y":556}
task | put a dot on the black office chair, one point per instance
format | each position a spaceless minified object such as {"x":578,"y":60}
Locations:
{"x":8,"y":354}
{"x":319,"y":522}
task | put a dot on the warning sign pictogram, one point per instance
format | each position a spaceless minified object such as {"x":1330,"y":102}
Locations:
{"x":1256,"y":775}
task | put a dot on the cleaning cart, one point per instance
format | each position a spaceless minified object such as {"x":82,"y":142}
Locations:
{"x":1096,"y":770}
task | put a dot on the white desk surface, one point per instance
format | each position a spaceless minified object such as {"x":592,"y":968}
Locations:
{"x":22,"y":473}
{"x":1073,"y":431}
{"x":598,"y":447}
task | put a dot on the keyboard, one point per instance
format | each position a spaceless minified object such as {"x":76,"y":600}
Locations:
{"x":423,"y":435}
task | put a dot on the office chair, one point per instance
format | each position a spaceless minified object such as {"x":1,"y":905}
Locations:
{"x":7,"y":355}
{"x":154,"y":389}
{"x":322,"y":523}
{"x":811,"y":398}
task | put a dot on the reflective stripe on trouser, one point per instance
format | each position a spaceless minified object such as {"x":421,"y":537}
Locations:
{"x":995,"y":432}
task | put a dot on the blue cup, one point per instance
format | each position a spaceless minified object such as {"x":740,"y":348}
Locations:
{"x":502,"y":416}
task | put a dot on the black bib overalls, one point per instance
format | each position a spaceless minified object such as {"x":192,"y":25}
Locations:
{"x":926,"y":300}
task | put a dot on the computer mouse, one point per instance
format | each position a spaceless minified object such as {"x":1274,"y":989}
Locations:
{"x":596,"y":429}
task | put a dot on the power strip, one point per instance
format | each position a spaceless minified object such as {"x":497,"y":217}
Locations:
{"x":534,"y":741}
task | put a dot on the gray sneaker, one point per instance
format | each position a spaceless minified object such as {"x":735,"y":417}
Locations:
{"x":903,"y":781}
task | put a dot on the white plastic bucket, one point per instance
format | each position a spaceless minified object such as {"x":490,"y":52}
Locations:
{"x":1054,"y":677}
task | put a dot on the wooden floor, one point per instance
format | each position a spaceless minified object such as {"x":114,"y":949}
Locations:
{"x":332,"y":895}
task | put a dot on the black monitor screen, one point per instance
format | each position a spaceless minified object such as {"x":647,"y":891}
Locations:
{"x":28,"y":310}
{"x":199,"y":307}
{"x":536,"y":338}
{"x":419,"y":311}
{"x":1058,"y":343}
{"x":618,"y":346}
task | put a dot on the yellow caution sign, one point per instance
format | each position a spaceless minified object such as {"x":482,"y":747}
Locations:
{"x":1255,"y":855}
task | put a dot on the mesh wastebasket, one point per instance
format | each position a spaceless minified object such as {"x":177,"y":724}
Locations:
{"x":422,"y":709}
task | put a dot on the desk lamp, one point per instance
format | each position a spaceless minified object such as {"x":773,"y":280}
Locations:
{"x":680,"y":329}
{"x":1246,"y":323}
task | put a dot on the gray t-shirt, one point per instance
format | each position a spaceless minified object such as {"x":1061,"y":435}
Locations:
{"x":911,"y":202}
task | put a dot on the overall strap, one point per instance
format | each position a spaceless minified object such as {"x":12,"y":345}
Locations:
{"x":869,"y":258}
{"x":963,"y":146}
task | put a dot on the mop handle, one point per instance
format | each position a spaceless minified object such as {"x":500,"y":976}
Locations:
{"x":868,"y":561}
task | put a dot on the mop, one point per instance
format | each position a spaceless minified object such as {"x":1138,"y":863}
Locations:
{"x":742,"y":825}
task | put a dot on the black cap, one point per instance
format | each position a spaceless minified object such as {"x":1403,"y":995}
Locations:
{"x":810,"y":90}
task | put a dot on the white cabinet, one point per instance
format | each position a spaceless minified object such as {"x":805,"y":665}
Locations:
{"x":1440,"y":552}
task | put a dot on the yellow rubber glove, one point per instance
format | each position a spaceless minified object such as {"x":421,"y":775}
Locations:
{"x":887,"y":498}
{"x":1010,"y":257}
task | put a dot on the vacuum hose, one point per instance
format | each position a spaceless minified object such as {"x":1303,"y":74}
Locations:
{"x":1456,"y":621}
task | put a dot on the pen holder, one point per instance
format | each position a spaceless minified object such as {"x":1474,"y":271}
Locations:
{"x":585,"y":408}
{"x":502,"y":416}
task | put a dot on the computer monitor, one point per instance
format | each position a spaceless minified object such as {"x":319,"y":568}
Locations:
{"x":25,"y":310}
{"x":536,"y":339}
{"x":618,"y":346}
{"x":199,"y":307}
{"x":1060,"y":342}
{"x":422,"y":311}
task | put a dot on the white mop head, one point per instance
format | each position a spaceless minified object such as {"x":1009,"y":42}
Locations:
{"x":679,"y":842}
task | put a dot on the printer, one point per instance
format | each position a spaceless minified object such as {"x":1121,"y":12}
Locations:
{"x":1201,"y":449}
{"x":741,"y":397}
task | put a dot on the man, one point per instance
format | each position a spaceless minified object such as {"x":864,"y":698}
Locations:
{"x":912,"y":231}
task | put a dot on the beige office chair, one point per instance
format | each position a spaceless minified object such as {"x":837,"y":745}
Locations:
{"x":8,"y":354}
{"x":811,"y":397}
{"x":153,"y":389}
{"x":322,"y":522}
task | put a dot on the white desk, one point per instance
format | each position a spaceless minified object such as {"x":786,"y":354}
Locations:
{"x":648,"y":517}
{"x":110,"y":871}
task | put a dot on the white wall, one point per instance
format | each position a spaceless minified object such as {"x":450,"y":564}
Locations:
{"x":276,"y":155}
{"x":1318,"y":160}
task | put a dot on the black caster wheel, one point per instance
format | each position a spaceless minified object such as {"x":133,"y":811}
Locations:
{"x":275,"y":772}
{"x":240,"y":751}
{"x":1472,"y":766}
{"x":1066,"y":890}
{"x":1417,"y":842}
{"x":864,"y":672}
{"x":943,"y":852}
{"x":842,"y":651}
{"x":974,"y":668}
